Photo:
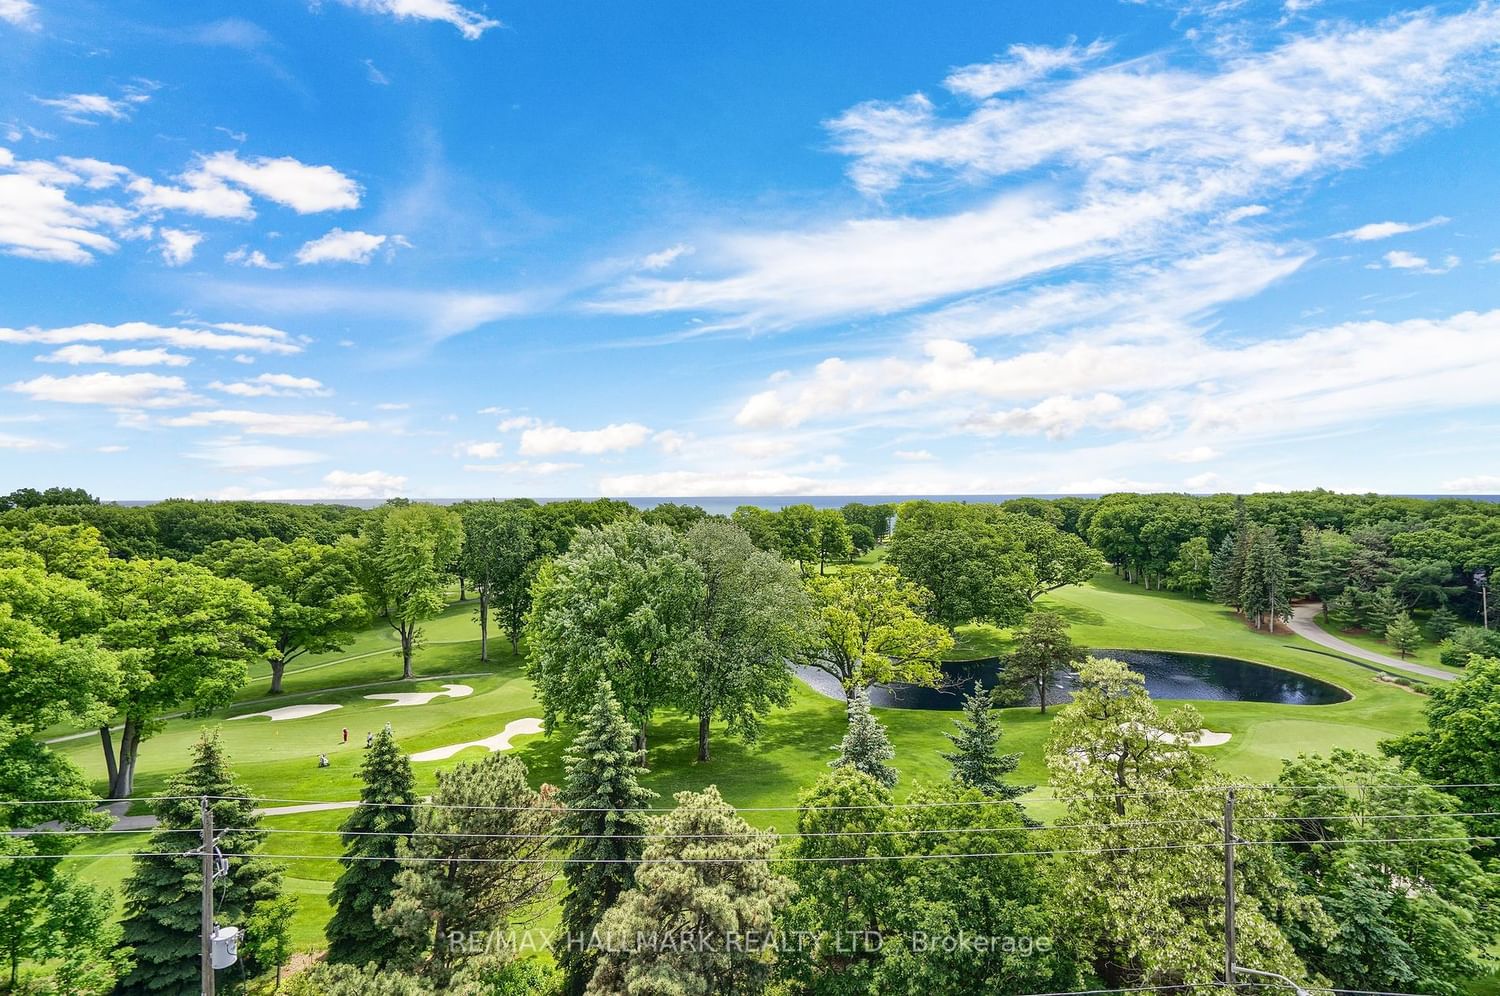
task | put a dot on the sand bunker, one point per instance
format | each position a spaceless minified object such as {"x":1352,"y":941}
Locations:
{"x":500,"y":741}
{"x":291,"y":712}
{"x":1204,"y":738}
{"x":422,"y":698}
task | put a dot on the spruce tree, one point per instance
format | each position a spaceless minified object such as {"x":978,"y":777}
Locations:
{"x":606,"y":818}
{"x":976,"y":759}
{"x":163,"y":894}
{"x":1224,"y":572}
{"x":385,"y":815}
{"x":1403,"y":634}
{"x":865,"y":746}
{"x":1265,"y":584}
{"x":1442,"y":623}
{"x":1381,"y":609}
{"x":1343,"y":610}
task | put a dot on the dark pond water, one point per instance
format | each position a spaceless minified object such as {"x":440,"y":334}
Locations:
{"x":1169,"y":675}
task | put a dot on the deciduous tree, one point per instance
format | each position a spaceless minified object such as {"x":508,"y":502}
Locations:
{"x":1043,"y":654}
{"x":402,"y":558}
{"x":871,"y":629}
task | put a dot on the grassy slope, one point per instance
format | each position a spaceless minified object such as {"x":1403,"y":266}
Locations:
{"x":279,"y":760}
{"x":1426,"y":652}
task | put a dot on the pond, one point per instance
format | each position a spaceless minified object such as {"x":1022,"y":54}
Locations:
{"x":1168,"y":674}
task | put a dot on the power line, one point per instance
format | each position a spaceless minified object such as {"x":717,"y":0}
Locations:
{"x":770,"y":859}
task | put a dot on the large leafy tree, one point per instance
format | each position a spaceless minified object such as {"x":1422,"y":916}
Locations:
{"x":754,"y":621}
{"x":1139,"y":869}
{"x":500,"y":550}
{"x":604,"y":817}
{"x":705,"y":874}
{"x":976,"y":758}
{"x":972,"y":569}
{"x":1056,"y":559}
{"x":1043,"y":653}
{"x":1409,"y":915}
{"x":385,"y":816}
{"x":315,"y":604}
{"x":871,"y":628}
{"x":52,"y":670}
{"x":797,"y":534}
{"x":163,"y":894}
{"x":1322,"y":563}
{"x":892,"y":902}
{"x":401,"y":560}
{"x":1190,"y":570}
{"x":623,"y":604}
{"x":477,"y":858}
{"x":834,"y":540}
{"x":184,"y":638}
{"x":1456,"y":747}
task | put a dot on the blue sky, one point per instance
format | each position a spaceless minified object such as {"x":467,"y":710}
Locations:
{"x":355,"y":248}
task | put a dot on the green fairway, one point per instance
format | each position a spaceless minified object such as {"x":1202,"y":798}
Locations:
{"x":278,"y":760}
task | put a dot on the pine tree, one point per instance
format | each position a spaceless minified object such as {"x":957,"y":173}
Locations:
{"x":976,"y":759}
{"x":1224,"y":572}
{"x":707,"y":884}
{"x":1344,"y":611}
{"x":865,"y":746}
{"x":606,"y":816}
{"x":1265,"y":585}
{"x":385,"y":815}
{"x":164,"y":891}
{"x":1381,"y":608}
{"x":1403,"y":634}
{"x":1441,"y":623}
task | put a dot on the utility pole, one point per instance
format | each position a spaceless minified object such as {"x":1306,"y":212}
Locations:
{"x":208,"y":898}
{"x":1229,"y":966}
{"x":1482,"y":578}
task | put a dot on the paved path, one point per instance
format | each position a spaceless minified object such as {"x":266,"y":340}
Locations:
{"x":1303,"y":625}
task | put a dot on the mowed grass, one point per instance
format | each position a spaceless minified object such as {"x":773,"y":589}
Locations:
{"x":1426,"y":652}
{"x":279,"y":760}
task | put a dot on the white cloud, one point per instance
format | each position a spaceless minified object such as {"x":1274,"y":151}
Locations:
{"x":1022,"y":66}
{"x":918,"y":456}
{"x":336,"y":485}
{"x":20,"y":13}
{"x":303,"y":188}
{"x":111,"y":448}
{"x":549,"y":439}
{"x":392,"y":406}
{"x":1144,"y":153}
{"x":273,"y":385}
{"x":96,"y":173}
{"x":231,"y":454}
{"x":217,"y":336}
{"x":91,"y":108}
{"x":1198,"y":454}
{"x":80,"y":354}
{"x":1400,"y":259}
{"x":269,"y":423}
{"x":471,"y":24}
{"x":253,"y":258}
{"x":1205,"y":482}
{"x":688,"y":483}
{"x":1248,"y":211}
{"x":339,"y":246}
{"x":178,"y":245}
{"x":1481,"y":484}
{"x":206,"y":198}
{"x":24,"y":444}
{"x":670,"y":441}
{"x":666,"y":257}
{"x":1058,"y":417}
{"x":480,"y":451}
{"x":374,"y":75}
{"x":39,"y":220}
{"x":526,"y":468}
{"x":517,"y":422}
{"x":1385,"y":229}
{"x":1107,"y":485}
{"x":138,"y":390}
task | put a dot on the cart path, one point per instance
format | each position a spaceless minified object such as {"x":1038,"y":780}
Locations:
{"x":1302,"y":623}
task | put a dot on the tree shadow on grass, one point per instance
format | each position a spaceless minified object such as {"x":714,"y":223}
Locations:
{"x":1075,"y":615}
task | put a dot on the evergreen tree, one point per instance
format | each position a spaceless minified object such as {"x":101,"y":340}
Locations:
{"x":707,"y":884}
{"x":1403,"y":635}
{"x":976,"y":759}
{"x":480,"y":855}
{"x":1224,"y":572}
{"x":163,"y":894}
{"x":1265,"y":584}
{"x":1467,"y":642}
{"x":865,"y":746}
{"x":1441,"y":623}
{"x":1380,"y":609}
{"x":606,"y":817}
{"x":386,"y":814}
{"x":1344,"y":611}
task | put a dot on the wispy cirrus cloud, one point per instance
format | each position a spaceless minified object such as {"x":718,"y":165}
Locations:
{"x":470,"y":23}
